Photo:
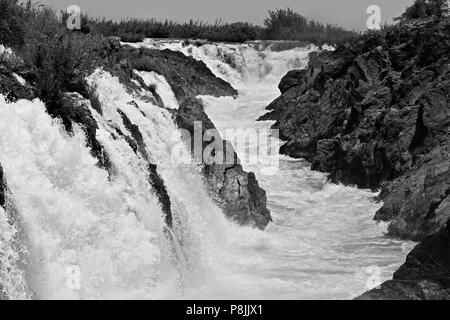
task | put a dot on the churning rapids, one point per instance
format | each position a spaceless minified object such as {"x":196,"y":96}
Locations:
{"x":71,"y":232}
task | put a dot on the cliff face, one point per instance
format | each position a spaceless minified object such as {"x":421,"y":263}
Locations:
{"x":424,"y":276}
{"x":376,"y":113}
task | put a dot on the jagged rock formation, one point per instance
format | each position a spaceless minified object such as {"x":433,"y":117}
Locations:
{"x":75,"y":109}
{"x":136,"y":142}
{"x":187,"y":77}
{"x":292,"y":79}
{"x":425,"y":274}
{"x":2,"y":187}
{"x":376,"y":113}
{"x":235,"y":190}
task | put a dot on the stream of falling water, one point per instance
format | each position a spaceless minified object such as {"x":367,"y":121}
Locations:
{"x":71,"y":231}
{"x":323,"y":242}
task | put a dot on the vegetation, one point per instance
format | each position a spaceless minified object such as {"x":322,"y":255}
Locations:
{"x":135,"y":30}
{"x":60,"y":59}
{"x":282,"y":24}
{"x":425,"y":9}
{"x":57,"y":59}
{"x":289,"y":25}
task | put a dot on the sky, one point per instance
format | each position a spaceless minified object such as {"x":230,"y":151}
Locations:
{"x":350,"y":14}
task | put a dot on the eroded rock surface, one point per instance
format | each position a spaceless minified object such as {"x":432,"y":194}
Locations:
{"x":236,"y":191}
{"x":376,"y":113}
{"x":2,"y":187}
{"x":425,"y":274}
{"x":186,"y":76}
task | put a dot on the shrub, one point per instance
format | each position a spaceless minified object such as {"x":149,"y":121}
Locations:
{"x":280,"y":25}
{"x":11,"y":23}
{"x":424,"y":9}
{"x":285,"y":24}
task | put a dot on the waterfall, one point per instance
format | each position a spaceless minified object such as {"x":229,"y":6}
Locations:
{"x":89,"y":235}
{"x":72,"y":230}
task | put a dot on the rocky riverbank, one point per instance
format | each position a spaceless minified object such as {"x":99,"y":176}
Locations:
{"x":375,"y":113}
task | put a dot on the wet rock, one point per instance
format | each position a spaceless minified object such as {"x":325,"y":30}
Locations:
{"x":187,"y":77}
{"x":236,"y":191}
{"x":424,"y":276}
{"x":2,"y":187}
{"x":375,"y":113}
{"x":291,"y":79}
{"x":412,"y":205}
{"x":136,"y":141}
{"x":73,"y":108}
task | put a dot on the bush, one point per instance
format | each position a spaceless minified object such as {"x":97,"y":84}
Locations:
{"x":425,"y":9}
{"x":57,"y":59}
{"x":285,"y":24}
{"x":11,"y":23}
{"x":280,"y":25}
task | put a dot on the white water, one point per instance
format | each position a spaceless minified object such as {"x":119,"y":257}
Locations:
{"x":323,"y":242}
{"x":80,"y":234}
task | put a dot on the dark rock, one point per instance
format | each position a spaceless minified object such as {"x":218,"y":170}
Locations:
{"x":376,"y":113}
{"x":136,"y":141}
{"x":412,"y":204}
{"x":160,"y":190}
{"x":187,"y":77}
{"x":2,"y":187}
{"x":236,"y":191}
{"x":291,"y":79}
{"x":73,"y":108}
{"x":12,"y":88}
{"x":425,"y":274}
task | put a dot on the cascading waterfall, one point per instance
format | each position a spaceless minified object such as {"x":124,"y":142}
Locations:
{"x":325,"y":243}
{"x":71,"y":230}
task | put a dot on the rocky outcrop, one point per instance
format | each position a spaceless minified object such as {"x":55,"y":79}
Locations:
{"x":292,"y":79}
{"x":75,"y":109}
{"x":425,"y":274}
{"x":2,"y":187}
{"x":187,"y":77}
{"x":376,"y":113}
{"x":236,"y":191}
{"x":136,"y":142}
